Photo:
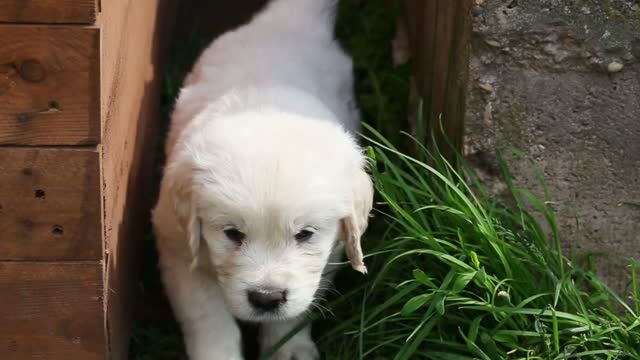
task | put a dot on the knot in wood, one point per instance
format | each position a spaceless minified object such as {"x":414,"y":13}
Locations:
{"x":32,"y":70}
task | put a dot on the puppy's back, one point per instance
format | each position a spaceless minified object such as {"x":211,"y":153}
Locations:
{"x":290,"y":44}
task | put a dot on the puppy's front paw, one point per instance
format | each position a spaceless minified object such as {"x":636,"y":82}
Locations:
{"x":298,"y":348}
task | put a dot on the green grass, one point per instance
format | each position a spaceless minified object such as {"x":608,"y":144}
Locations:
{"x":460,"y":275}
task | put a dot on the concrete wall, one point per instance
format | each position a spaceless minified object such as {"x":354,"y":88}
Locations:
{"x":560,"y":81}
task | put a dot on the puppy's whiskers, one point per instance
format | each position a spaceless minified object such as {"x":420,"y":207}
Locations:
{"x":321,"y":308}
{"x":326,"y":285}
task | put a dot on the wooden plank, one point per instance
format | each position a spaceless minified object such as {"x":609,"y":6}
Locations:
{"x":50,"y":205}
{"x":49,"y":85}
{"x":444,"y":33}
{"x":458,"y":76}
{"x":421,"y":21}
{"x":134,"y":35}
{"x":440,"y":44}
{"x":51,"y":311}
{"x":48,"y":11}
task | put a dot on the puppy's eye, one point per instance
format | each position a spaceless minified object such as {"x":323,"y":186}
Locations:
{"x":303,"y":235}
{"x":234,"y":234}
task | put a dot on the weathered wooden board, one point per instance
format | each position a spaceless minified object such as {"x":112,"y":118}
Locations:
{"x":51,"y":311}
{"x":48,"y":11}
{"x":50,"y":204}
{"x":134,"y":33}
{"x":439,"y":33}
{"x":49,"y":85}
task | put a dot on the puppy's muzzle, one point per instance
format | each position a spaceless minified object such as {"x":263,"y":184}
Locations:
{"x":267,"y":300}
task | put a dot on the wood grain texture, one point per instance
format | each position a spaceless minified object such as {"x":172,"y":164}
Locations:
{"x":134,"y":35}
{"x":458,"y":79}
{"x":50,"y":204}
{"x":49,"y":85}
{"x":48,"y":11}
{"x":51,"y":311}
{"x":439,"y":32}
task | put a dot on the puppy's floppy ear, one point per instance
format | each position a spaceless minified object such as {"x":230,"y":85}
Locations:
{"x":179,"y":175}
{"x":354,"y":225}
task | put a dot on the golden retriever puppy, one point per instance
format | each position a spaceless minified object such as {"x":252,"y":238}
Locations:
{"x":265,"y":184}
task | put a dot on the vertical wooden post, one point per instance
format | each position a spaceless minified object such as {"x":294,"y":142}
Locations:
{"x":439,"y":33}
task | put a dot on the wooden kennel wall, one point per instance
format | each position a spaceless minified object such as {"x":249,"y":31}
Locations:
{"x":78,"y":101}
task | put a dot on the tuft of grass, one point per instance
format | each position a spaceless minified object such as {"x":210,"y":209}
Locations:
{"x":460,"y":275}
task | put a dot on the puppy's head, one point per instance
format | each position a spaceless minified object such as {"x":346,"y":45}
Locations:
{"x":264,"y":198}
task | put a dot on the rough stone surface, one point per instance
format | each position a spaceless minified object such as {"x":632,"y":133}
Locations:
{"x":559,"y":80}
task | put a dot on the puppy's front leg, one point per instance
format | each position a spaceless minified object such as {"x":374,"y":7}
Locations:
{"x":210,"y":332}
{"x":299,"y":347}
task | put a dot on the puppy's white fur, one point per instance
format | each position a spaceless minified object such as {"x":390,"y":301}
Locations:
{"x":261,"y":140}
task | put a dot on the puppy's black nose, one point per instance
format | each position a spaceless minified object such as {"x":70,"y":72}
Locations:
{"x":267,"y":299}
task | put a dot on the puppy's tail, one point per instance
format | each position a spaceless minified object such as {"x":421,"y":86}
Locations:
{"x":306,"y":15}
